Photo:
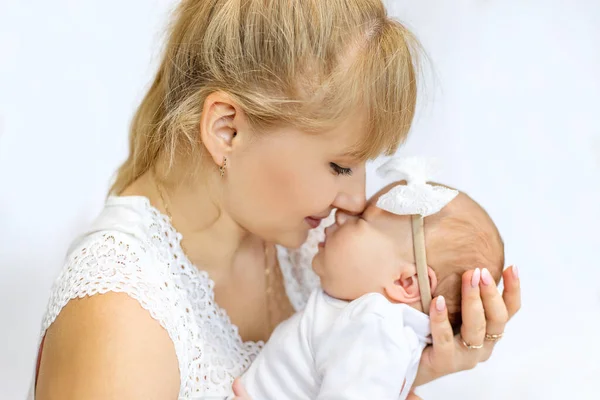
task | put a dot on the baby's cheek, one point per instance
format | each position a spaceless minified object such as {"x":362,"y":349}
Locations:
{"x":366,"y":248}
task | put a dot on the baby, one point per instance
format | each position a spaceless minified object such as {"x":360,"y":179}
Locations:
{"x":361,"y":335}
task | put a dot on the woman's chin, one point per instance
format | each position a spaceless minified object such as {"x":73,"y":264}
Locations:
{"x":292,"y":240}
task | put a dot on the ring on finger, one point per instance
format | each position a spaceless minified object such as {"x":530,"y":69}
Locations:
{"x":471,"y":346}
{"x":493,"y":337}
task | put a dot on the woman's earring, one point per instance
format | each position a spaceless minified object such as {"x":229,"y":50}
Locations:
{"x":222,"y":167}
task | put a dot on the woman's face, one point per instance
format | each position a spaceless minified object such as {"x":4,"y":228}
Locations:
{"x":282,"y":183}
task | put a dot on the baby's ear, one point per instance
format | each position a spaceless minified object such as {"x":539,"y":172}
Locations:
{"x":405,"y":289}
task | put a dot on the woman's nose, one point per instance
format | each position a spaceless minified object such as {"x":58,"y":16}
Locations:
{"x":352,"y":199}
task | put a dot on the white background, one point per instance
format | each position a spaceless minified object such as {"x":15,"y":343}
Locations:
{"x":512,"y":108}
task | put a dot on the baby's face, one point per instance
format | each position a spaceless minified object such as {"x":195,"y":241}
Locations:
{"x":363,"y":254}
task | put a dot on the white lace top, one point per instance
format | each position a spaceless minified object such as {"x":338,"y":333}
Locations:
{"x":132,"y":248}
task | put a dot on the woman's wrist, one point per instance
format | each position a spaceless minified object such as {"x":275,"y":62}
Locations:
{"x":424,"y":375}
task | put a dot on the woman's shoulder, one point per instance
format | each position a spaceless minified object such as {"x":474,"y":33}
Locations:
{"x":106,"y":261}
{"x":296,"y":266}
{"x":117,"y":253}
{"x":126,"y":256}
{"x":93,"y":332}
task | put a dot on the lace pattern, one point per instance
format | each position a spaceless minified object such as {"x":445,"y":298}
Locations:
{"x":144,"y":259}
{"x":417,"y":197}
{"x":422,"y":200}
{"x":110,"y":262}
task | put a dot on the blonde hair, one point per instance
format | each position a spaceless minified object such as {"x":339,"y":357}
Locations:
{"x":306,"y":63}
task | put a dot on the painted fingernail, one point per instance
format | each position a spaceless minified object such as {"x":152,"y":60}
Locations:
{"x":475,"y":278}
{"x":486,"y":277}
{"x":440,"y":303}
{"x":515,"y":272}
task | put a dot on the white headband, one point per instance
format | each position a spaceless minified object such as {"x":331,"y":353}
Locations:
{"x":418,"y":199}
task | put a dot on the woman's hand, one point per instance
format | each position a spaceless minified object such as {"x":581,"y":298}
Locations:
{"x":484,"y":311}
{"x":413,"y":396}
{"x":239,"y":391}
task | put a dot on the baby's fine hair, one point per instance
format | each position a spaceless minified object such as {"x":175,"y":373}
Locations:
{"x":461,"y":237}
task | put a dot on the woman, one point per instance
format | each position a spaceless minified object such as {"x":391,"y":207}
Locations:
{"x":256,"y":127}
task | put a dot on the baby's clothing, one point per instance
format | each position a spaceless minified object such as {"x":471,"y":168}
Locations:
{"x":333,"y":349}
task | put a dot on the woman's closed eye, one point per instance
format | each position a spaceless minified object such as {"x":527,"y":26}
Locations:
{"x":338,"y":170}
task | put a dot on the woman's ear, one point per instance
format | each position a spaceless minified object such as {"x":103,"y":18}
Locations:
{"x":405,"y":289}
{"x":218,"y":125}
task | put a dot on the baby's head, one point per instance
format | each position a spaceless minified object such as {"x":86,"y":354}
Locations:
{"x":374,"y":253}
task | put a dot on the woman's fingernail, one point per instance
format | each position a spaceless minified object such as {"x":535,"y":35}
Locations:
{"x":475,"y":278}
{"x":486,"y":277}
{"x":515,"y":272}
{"x":440,"y":303}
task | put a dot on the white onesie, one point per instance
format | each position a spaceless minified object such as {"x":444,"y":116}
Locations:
{"x":333,"y":349}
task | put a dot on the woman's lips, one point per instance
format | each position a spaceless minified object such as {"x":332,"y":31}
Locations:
{"x":313,"y":222}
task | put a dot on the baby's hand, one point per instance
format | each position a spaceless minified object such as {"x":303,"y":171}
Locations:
{"x":240,"y":392}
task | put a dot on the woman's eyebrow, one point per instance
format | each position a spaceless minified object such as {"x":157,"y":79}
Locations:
{"x":352,"y":153}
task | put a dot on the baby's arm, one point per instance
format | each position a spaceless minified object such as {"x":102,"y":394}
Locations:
{"x":365,"y":356}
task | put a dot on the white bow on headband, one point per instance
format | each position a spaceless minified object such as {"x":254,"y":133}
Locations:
{"x":417,"y":197}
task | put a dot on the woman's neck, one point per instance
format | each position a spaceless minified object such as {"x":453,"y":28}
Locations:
{"x":211,"y":238}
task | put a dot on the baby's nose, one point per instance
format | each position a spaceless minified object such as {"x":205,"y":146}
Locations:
{"x":341,"y":217}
